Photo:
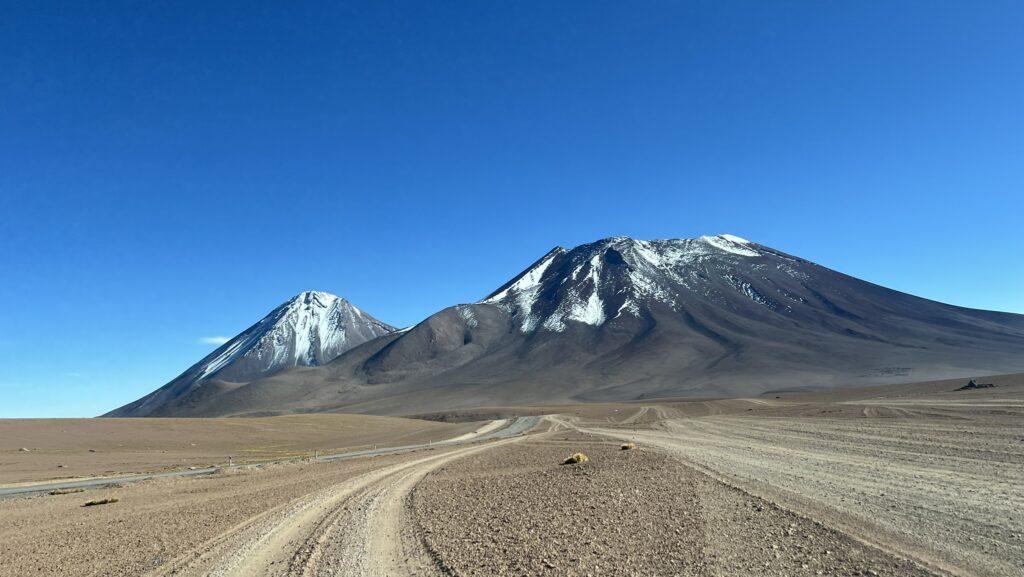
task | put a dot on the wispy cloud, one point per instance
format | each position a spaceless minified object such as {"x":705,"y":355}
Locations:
{"x":214,"y":340}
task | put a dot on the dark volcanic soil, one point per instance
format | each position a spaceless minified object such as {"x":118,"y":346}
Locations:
{"x":517,"y":511}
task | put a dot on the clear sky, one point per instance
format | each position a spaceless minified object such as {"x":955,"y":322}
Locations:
{"x":172,"y":171}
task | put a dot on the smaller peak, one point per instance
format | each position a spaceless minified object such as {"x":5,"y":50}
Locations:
{"x":321,"y":294}
{"x":310,"y":297}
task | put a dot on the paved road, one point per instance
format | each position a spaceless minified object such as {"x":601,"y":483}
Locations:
{"x":517,"y":426}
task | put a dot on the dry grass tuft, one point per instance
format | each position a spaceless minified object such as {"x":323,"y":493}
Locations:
{"x":628,"y":446}
{"x":576,"y":459}
{"x":101,"y":502}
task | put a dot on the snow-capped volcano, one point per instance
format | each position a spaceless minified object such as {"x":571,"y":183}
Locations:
{"x":614,"y":319}
{"x":602,"y":281}
{"x":309,"y":329}
{"x":622,"y":318}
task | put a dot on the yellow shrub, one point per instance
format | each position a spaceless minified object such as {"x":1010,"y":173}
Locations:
{"x":575,"y":459}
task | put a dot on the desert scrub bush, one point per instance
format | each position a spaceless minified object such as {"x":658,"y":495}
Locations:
{"x":628,"y":446}
{"x":576,"y":459}
{"x":101,"y":502}
{"x":66,"y":491}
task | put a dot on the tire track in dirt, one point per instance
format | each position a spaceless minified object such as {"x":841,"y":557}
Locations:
{"x":912,"y":487}
{"x":377,"y":539}
{"x":635,"y":416}
{"x":357,"y":527}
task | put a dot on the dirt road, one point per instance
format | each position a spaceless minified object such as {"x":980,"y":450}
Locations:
{"x":352,"y":528}
{"x":495,"y":429}
{"x":37,"y":450}
{"x":343,"y":517}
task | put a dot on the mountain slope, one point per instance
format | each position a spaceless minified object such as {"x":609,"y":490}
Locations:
{"x":625,"y":319}
{"x":310,"y":329}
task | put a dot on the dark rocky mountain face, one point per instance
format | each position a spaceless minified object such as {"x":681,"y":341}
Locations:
{"x":625,"y":319}
{"x":311,"y":329}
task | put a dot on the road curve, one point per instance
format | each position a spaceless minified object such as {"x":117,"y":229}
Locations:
{"x":517,"y":426}
{"x":357,"y":527}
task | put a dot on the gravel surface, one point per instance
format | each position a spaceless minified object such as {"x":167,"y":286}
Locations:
{"x":947,"y":490}
{"x":154,"y":522}
{"x":353,"y":527}
{"x":899,"y":485}
{"x":517,"y":511}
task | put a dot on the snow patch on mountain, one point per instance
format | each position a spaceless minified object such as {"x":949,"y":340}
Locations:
{"x":589,"y":309}
{"x":734,"y":239}
{"x":235,"y":349}
{"x":466,"y":312}
{"x":793,"y":272}
{"x":628,"y":306}
{"x":528,"y":283}
{"x":523,"y":292}
{"x":752,"y":293}
{"x":590,"y":312}
{"x":730,"y":244}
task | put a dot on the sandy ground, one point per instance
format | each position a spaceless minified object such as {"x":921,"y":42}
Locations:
{"x":901,"y":481}
{"x":925,"y":472}
{"x":519,"y":511}
{"x":293,"y":519}
{"x":71,"y":448}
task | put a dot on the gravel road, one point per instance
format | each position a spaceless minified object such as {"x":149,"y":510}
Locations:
{"x":351,"y":528}
{"x":344,"y":516}
{"x":498,"y":429}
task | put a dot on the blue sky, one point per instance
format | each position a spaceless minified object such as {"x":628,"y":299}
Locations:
{"x":173,"y":171}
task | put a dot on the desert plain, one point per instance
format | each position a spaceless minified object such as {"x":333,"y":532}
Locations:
{"x":902,"y":480}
